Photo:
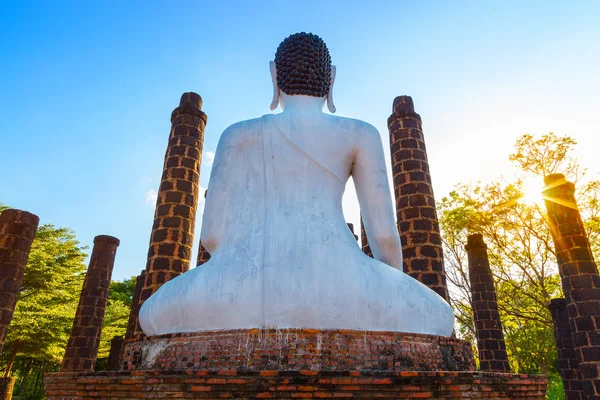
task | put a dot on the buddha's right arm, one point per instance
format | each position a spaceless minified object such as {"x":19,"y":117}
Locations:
{"x":218,"y":197}
{"x":372,"y":187}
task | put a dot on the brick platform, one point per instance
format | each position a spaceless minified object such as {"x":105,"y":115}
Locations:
{"x":298,"y":349}
{"x":268,"y":384}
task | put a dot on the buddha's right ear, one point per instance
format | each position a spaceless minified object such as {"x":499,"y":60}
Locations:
{"x":275,"y":101}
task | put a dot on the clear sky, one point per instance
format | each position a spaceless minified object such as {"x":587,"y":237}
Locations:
{"x":87,"y":88}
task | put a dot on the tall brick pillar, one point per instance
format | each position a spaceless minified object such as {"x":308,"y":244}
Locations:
{"x":203,"y":254}
{"x":490,"y":339}
{"x":579,"y":275}
{"x":82,"y":347}
{"x":172,"y":235}
{"x":17,"y":230}
{"x":568,"y":365}
{"x":364,"y":242}
{"x":351,"y":228}
{"x":415,"y":206}
{"x":133,"y":324}
{"x":116,"y":350}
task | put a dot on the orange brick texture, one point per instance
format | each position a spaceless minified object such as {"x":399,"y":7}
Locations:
{"x":203,"y":254}
{"x":268,"y":384}
{"x":415,"y":205}
{"x":298,"y":349}
{"x":568,"y":365}
{"x":6,"y":388}
{"x":133,"y":325}
{"x":17,"y":230}
{"x":490,"y":339}
{"x":579,"y":275}
{"x":172,"y":235}
{"x":116,"y":350}
{"x":363,"y":240}
{"x":82,"y":347}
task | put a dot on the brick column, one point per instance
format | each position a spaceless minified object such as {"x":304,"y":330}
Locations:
{"x":415,"y":206}
{"x":133,"y":324}
{"x":363,"y":239}
{"x":490,"y":339}
{"x":579,"y":275}
{"x":82,"y":348}
{"x":114,"y":357}
{"x":203,"y":254}
{"x":568,"y":365}
{"x":172,"y":235}
{"x":17,"y":230}
{"x":351,"y":227}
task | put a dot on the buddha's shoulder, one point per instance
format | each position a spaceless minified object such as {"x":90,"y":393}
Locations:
{"x":354,"y":127}
{"x":241,"y":131}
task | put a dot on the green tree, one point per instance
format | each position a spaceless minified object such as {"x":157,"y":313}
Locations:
{"x":47,"y":303}
{"x":520,"y":247}
{"x":117,"y":315}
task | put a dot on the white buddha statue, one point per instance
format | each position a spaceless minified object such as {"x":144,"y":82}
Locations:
{"x":282,"y":255}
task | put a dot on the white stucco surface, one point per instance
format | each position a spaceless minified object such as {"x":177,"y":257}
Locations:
{"x":281,"y":253}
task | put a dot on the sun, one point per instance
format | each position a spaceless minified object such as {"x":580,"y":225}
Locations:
{"x":532,"y":193}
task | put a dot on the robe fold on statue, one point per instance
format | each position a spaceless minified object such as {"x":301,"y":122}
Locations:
{"x":281,"y":252}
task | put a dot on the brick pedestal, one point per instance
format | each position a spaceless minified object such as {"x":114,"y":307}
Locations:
{"x":580,"y":279}
{"x":490,"y":338}
{"x":364,"y":240}
{"x":172,"y":235}
{"x":568,"y":365}
{"x":17,"y":230}
{"x":116,"y":350}
{"x":268,"y":384}
{"x":82,"y":348}
{"x":415,"y":206}
{"x":298,"y":349}
{"x":133,"y":324}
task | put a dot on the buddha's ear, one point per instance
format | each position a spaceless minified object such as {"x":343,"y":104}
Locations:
{"x":275,"y":101}
{"x":330,"y":104}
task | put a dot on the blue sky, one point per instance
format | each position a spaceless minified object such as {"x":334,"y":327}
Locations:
{"x":87,"y":88}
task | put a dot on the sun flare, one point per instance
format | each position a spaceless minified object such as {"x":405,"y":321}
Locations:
{"x":532,"y":193}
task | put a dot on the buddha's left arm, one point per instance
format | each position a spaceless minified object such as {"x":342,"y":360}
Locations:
{"x":372,"y":187}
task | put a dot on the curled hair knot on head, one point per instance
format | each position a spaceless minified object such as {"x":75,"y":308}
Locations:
{"x":303,"y":65}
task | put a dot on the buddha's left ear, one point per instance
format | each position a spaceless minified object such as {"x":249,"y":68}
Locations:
{"x":330,"y":104}
{"x":275,"y":101}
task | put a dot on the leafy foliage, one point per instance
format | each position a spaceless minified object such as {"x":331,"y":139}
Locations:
{"x":520,"y":247}
{"x":117,"y":314}
{"x":48,"y":300}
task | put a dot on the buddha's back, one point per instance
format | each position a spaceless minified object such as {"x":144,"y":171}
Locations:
{"x":281,"y":252}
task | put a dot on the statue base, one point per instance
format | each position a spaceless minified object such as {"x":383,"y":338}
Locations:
{"x":298,"y":349}
{"x":295,"y":363}
{"x":293,"y":384}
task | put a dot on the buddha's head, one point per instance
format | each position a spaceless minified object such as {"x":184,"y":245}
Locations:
{"x":302,"y":67}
